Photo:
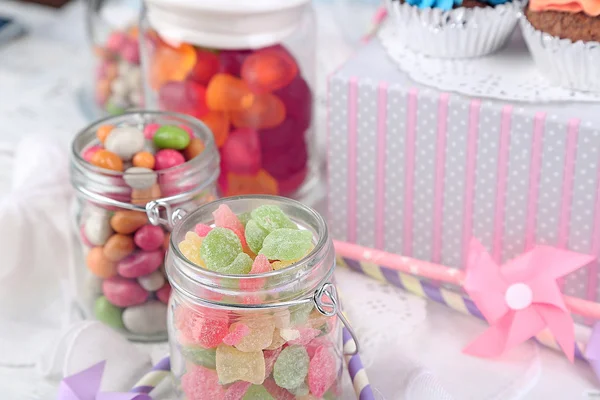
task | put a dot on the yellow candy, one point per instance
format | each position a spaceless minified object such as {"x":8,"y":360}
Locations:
{"x":277,"y":342}
{"x":260,"y":336}
{"x":190,"y":248}
{"x":234,"y":365}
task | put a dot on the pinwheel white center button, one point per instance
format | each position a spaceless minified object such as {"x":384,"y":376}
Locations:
{"x":518,"y":296}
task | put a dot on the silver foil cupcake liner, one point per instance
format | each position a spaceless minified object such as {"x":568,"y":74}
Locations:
{"x":458,"y":33}
{"x":562,"y":62}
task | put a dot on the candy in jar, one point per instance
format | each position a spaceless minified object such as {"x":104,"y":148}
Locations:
{"x":243,"y":317}
{"x":128,"y":171}
{"x":249,"y":81}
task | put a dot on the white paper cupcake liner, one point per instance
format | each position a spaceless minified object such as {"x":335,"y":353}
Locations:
{"x":562,"y":62}
{"x":458,"y":33}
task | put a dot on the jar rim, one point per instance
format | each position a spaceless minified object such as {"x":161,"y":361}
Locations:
{"x":198,"y":275}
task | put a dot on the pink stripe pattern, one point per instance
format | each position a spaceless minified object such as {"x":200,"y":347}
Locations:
{"x":502,"y":172}
{"x":534,"y":178}
{"x":593,"y":268}
{"x":440,"y":160}
{"x":352,"y":157}
{"x":567,"y":187}
{"x":411,"y":128}
{"x":381,"y":158}
{"x":471,"y":166}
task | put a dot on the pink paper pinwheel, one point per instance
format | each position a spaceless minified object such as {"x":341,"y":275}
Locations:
{"x":85,"y":385}
{"x":521,"y":298}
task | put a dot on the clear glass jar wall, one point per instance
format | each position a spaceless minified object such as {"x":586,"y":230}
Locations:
{"x":285,"y":328}
{"x":113,"y":33}
{"x":122,"y":212}
{"x":248,"y":72}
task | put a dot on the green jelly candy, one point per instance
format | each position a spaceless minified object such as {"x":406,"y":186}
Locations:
{"x":257,"y":392}
{"x":240,"y":266}
{"x":108,"y":313}
{"x":286,"y":244}
{"x":291,"y":367}
{"x":244,"y":218}
{"x":255,"y":235}
{"x":299,"y":314}
{"x":113,"y":109}
{"x":329,"y":396}
{"x":220,"y":248}
{"x":271,"y":218}
{"x":200,"y":356}
{"x":171,"y":137}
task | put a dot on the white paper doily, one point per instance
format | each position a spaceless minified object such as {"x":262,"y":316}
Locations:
{"x":509,"y":74}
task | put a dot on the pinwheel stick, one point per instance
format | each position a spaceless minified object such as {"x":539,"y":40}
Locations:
{"x":441,"y":273}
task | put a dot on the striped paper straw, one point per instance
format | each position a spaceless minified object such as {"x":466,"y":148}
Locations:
{"x":440,"y":295}
{"x":358,"y":375}
{"x":152,"y":378}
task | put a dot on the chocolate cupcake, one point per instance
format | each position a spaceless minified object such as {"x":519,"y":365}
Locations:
{"x":454,"y":28}
{"x":563,"y":37}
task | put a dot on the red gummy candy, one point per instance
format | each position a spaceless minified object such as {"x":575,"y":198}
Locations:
{"x":276,"y":391}
{"x":269,"y":69}
{"x":225,"y":218}
{"x":237,"y":390}
{"x":289,"y":185}
{"x":200,"y":383}
{"x":306,"y":335}
{"x":207,"y":66}
{"x":270,"y":358}
{"x":164,"y":293}
{"x":315,"y":344}
{"x":260,"y":265}
{"x":231,"y":61}
{"x":284,"y":164}
{"x":266,"y":111}
{"x":281,"y":137}
{"x":322,"y":371}
{"x":183,"y":97}
{"x":200,"y":326}
{"x":241,"y":152}
{"x":236,"y":334}
{"x":202,"y":229}
{"x":297,"y":98}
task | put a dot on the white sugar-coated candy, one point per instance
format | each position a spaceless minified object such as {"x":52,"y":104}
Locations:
{"x":134,"y":79}
{"x":119,"y":87}
{"x":124,"y":68}
{"x":97,"y":228}
{"x":135,"y":98}
{"x":125,"y":142}
{"x":139,"y":177}
{"x":152,"y":282}
{"x":146,"y":319}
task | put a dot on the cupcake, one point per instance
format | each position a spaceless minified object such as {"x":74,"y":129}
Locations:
{"x":454,"y":28}
{"x":563,"y":37}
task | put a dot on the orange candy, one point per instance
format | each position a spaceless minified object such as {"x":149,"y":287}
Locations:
{"x":103,"y":132}
{"x":261,"y":183}
{"x":195,"y":147}
{"x":142,"y":196}
{"x":218,"y":123}
{"x":171,"y":63}
{"x":99,"y":265}
{"x":118,"y":246}
{"x":228,"y":93}
{"x":267,"y":111}
{"x":144,"y":159}
{"x":108,"y":160}
{"x":269,"y":69}
{"x":127,"y":222}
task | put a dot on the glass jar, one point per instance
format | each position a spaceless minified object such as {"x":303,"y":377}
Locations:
{"x":289,"y":317}
{"x":113,"y":32}
{"x":123,"y":220}
{"x":247,"y":69}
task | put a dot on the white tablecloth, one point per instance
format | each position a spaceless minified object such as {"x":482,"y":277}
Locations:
{"x":410,"y":347}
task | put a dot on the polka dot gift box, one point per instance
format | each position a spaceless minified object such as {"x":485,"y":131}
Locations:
{"x":418,"y":172}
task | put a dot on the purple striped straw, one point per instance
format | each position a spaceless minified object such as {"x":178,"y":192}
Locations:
{"x":357,"y":372}
{"x":152,"y":378}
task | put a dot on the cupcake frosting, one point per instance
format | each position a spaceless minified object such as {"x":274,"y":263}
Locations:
{"x":589,"y":7}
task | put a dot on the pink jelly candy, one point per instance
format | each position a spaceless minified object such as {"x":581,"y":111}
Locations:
{"x":231,"y":61}
{"x":123,"y":292}
{"x":260,"y":265}
{"x":225,"y":218}
{"x":200,"y":326}
{"x":269,"y":69}
{"x":237,"y":390}
{"x":281,"y":137}
{"x":241,"y":152}
{"x":168,"y":158}
{"x":115,"y":41}
{"x":276,"y":391}
{"x":89,"y":152}
{"x":306,"y":335}
{"x":140,"y":263}
{"x":164,"y":293}
{"x":200,"y":383}
{"x":207,"y":66}
{"x":284,"y":164}
{"x":297,"y":98}
{"x":312,"y":347}
{"x":322,"y":371}
{"x":202,"y":229}
{"x":149,"y":237}
{"x":270,"y":358}
{"x":150,"y":130}
{"x":130,"y":51}
{"x":184,"y":97}
{"x":236,"y":334}
{"x":290,"y":184}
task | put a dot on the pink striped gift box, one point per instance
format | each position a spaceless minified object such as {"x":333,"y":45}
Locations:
{"x":418,"y":172}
